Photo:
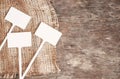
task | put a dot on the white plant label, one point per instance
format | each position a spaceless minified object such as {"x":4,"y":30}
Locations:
{"x":19,"y":40}
{"x":22,"y":39}
{"x":17,"y":18}
{"x":48,"y":34}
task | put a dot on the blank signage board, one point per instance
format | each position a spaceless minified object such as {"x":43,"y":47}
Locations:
{"x":48,"y":34}
{"x":17,"y":18}
{"x":22,"y":39}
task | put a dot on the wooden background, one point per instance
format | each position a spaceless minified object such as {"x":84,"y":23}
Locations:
{"x":90,"y":46}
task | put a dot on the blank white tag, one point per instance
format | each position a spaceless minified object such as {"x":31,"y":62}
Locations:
{"x":19,"y":40}
{"x":48,"y":34}
{"x":22,"y":39}
{"x":17,"y":18}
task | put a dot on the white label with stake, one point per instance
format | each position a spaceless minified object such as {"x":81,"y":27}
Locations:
{"x":48,"y":34}
{"x":22,"y":39}
{"x":17,"y":18}
{"x":19,"y":40}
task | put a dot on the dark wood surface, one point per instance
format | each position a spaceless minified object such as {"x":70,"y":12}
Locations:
{"x":90,"y":45}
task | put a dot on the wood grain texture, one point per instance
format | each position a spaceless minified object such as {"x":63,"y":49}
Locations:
{"x":90,"y":45}
{"x":39,"y":10}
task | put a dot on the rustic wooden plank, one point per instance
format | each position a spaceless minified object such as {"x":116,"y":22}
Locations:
{"x":39,"y":10}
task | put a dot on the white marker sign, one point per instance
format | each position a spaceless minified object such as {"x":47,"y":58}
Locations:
{"x":17,"y":18}
{"x":19,"y":40}
{"x":48,"y":34}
